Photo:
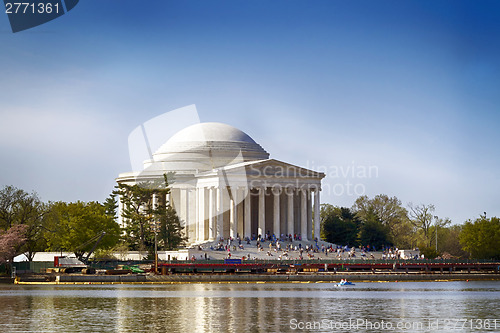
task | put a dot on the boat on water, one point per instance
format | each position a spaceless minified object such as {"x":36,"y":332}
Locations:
{"x":344,"y":283}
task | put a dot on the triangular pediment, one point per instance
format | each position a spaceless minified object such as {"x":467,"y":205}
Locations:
{"x":272,"y":168}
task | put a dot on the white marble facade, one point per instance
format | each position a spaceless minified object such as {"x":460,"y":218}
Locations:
{"x":225,"y":185}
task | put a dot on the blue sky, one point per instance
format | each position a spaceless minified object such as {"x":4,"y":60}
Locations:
{"x":408,"y":87}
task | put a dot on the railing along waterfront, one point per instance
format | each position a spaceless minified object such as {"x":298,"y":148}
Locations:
{"x":331,"y":264}
{"x":345,"y":261}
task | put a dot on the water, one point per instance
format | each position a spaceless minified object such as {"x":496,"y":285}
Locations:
{"x":275,"y":307}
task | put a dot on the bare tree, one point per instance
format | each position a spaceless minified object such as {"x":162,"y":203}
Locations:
{"x":421,"y":217}
{"x":10,"y":196}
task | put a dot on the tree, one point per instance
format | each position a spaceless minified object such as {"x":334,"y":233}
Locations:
{"x":138,"y":213}
{"x":372,"y":232}
{"x":339,"y":225}
{"x":18,"y":207}
{"x":436,"y":233}
{"x":481,"y":238}
{"x":423,"y":219}
{"x":72,"y":225}
{"x":389,"y":212}
{"x":33,"y":214}
{"x":145,"y":205}
{"x":449,"y":241}
{"x":9,"y":199}
{"x":171,"y":230}
{"x":11,"y":242}
{"x":111,"y":205}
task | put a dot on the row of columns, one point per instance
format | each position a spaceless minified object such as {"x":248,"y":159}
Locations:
{"x":208,"y":212}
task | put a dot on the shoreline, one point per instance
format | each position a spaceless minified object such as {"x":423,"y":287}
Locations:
{"x":252,"y":278}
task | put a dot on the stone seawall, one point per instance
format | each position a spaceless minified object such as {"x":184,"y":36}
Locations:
{"x":318,"y":277}
{"x":6,"y":279}
{"x":129,"y":278}
{"x":257,"y":278}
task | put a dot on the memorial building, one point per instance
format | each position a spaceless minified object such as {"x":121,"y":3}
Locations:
{"x":225,"y":185}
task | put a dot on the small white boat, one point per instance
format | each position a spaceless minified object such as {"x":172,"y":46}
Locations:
{"x":344,"y":283}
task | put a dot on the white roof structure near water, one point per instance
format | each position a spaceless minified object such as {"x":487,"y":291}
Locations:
{"x":44,"y":256}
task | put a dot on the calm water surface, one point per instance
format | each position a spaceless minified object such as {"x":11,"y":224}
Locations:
{"x":289,"y":307}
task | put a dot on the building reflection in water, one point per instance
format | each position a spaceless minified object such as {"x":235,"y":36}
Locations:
{"x":203,"y":308}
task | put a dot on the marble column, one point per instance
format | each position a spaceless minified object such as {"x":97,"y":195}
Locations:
{"x":309,"y":215}
{"x":153,"y":222}
{"x":248,"y":216}
{"x":192,"y":199}
{"x":168,"y":198}
{"x":184,"y":210}
{"x":317,"y":227}
{"x":212,"y":227}
{"x":303,"y":215}
{"x":276,"y":212}
{"x":290,"y":229}
{"x":201,"y":214}
{"x":120,"y":212}
{"x":233,"y":213}
{"x":219,"y":213}
{"x":240,"y":217}
{"x":262,"y":212}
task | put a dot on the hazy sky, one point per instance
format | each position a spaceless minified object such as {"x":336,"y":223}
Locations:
{"x":408,"y":91}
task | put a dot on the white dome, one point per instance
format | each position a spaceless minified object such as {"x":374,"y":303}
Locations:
{"x":204,"y":132}
{"x":206,"y":146}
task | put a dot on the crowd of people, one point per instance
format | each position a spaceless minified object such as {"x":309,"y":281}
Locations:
{"x":291,"y":246}
{"x":284,"y":247}
{"x":281,"y":247}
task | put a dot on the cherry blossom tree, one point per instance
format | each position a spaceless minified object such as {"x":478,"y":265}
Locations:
{"x":11,"y":242}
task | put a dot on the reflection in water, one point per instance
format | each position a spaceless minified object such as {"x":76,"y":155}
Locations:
{"x":239,"y":307}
